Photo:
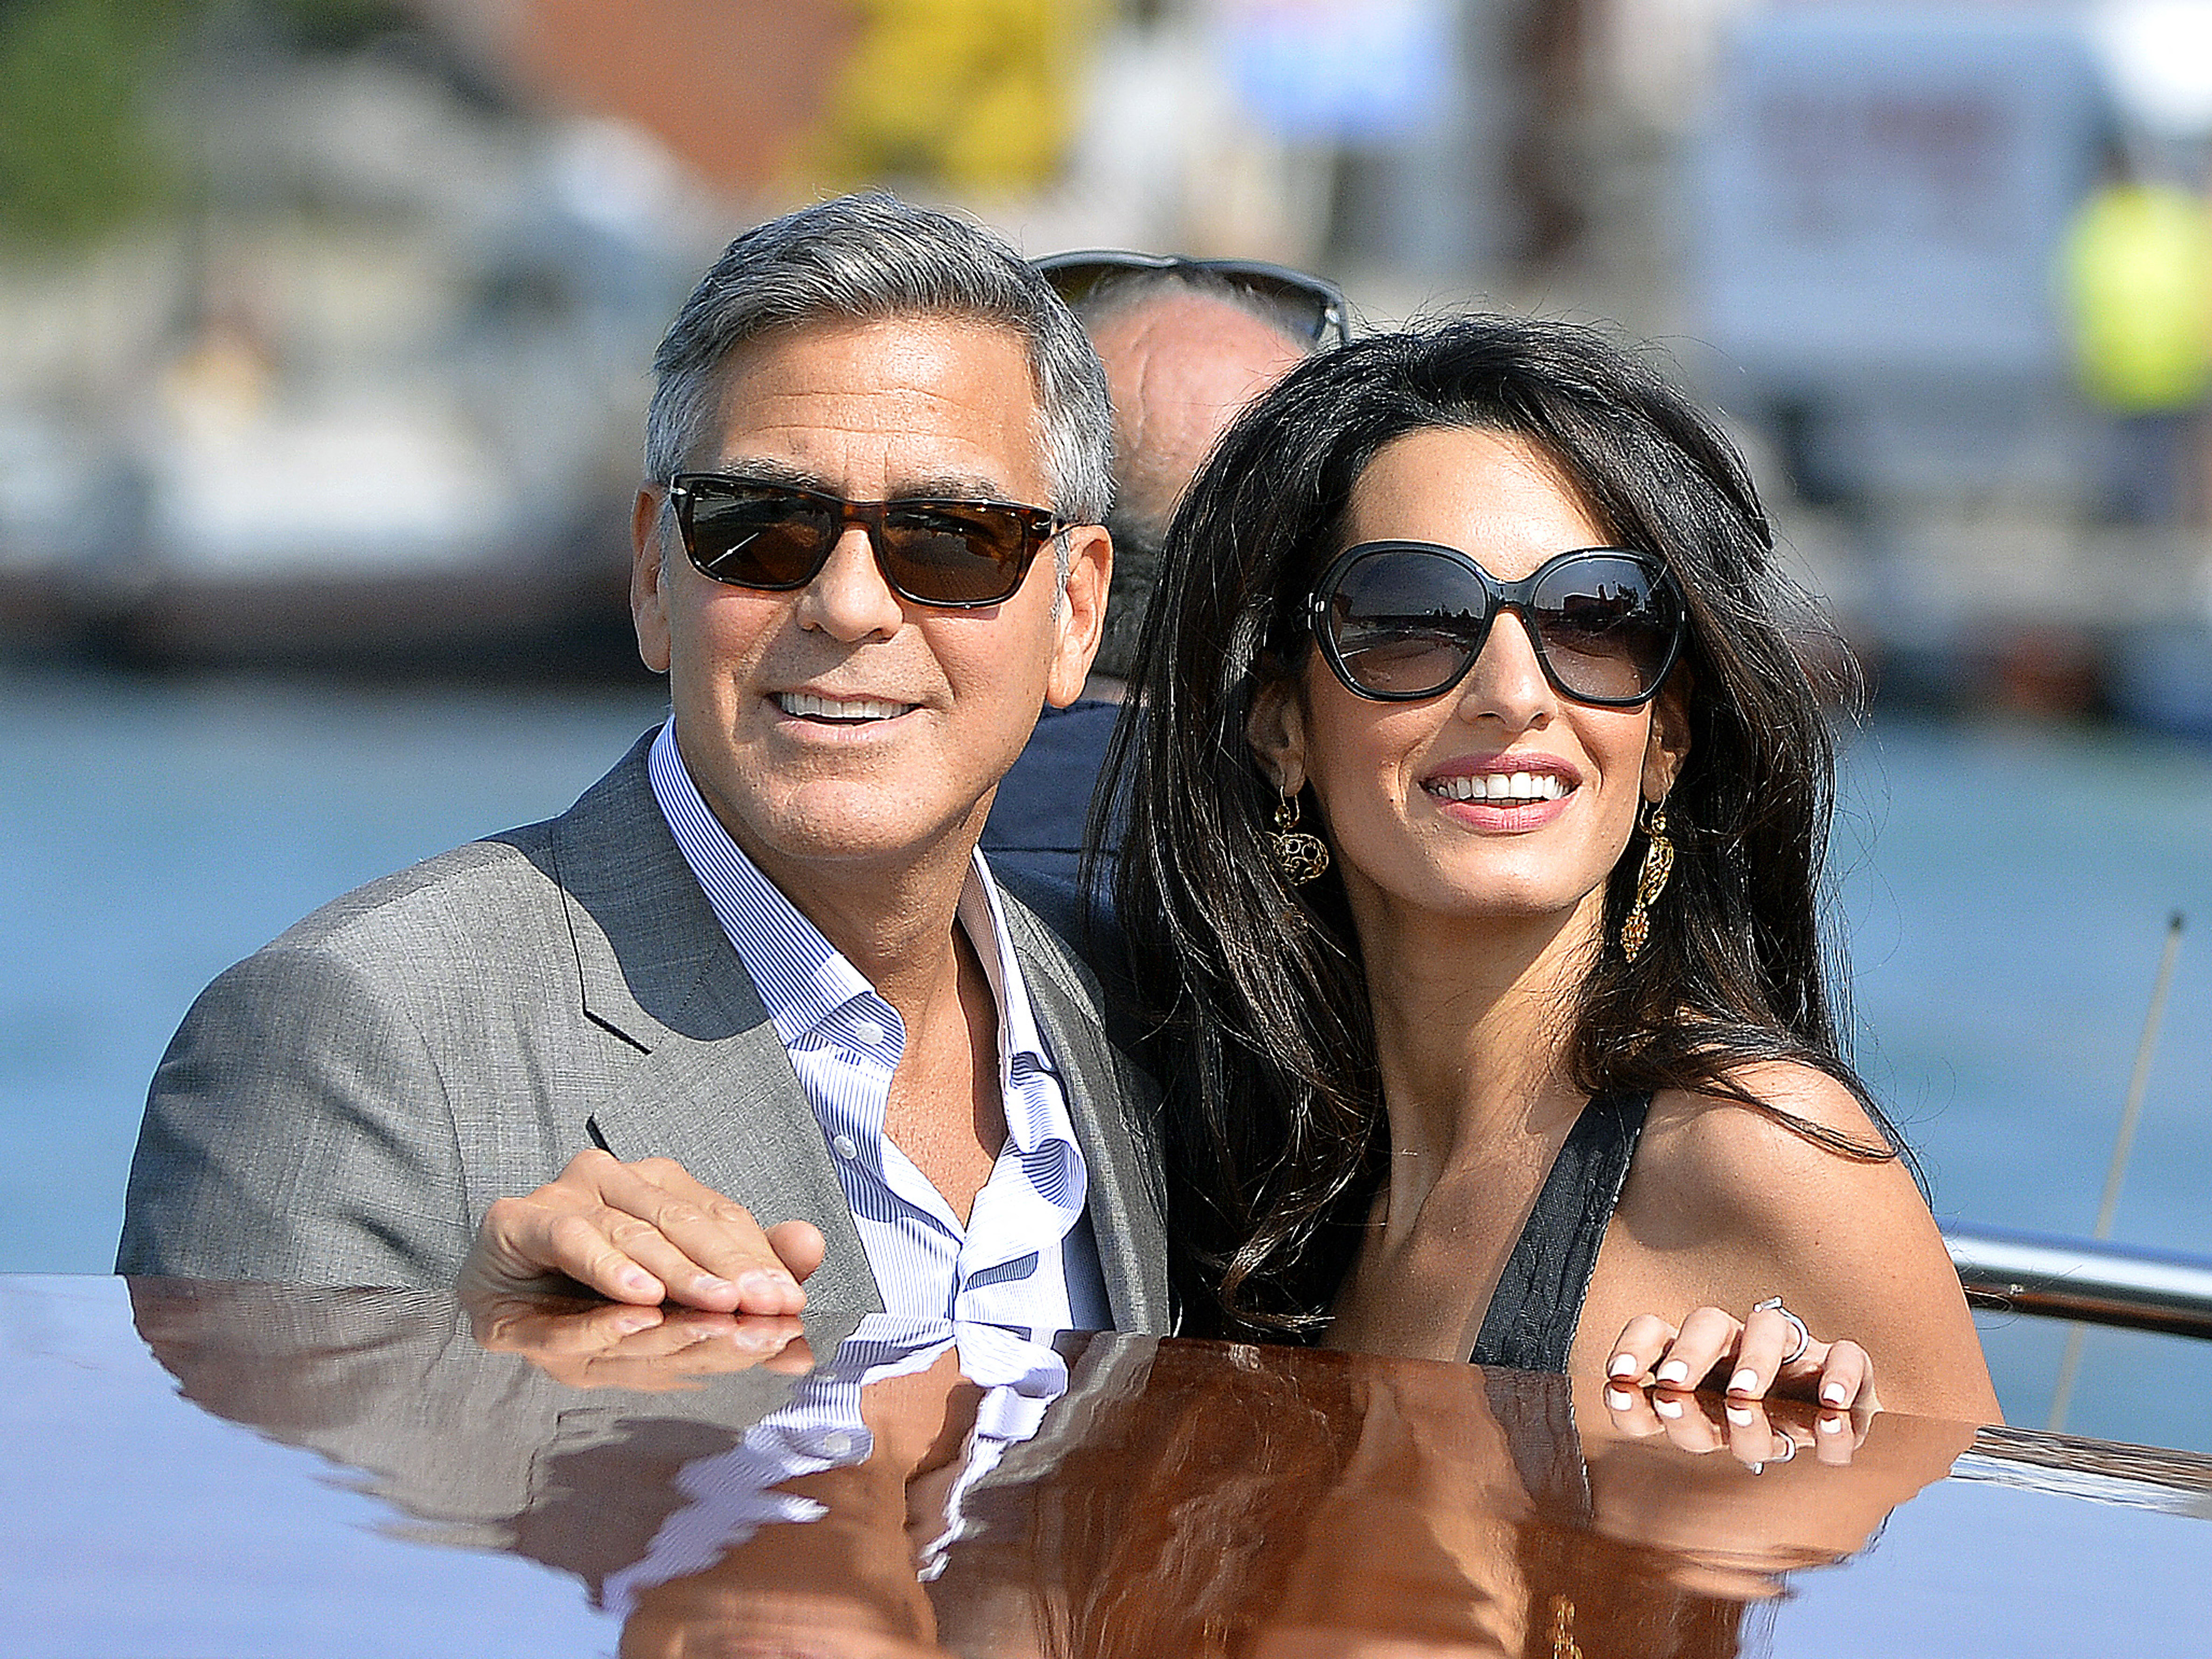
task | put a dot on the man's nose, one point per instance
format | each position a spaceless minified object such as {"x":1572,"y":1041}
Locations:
{"x":849,"y":598}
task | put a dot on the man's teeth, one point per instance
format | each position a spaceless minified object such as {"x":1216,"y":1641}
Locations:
{"x":1501,"y":786}
{"x":824,"y":708}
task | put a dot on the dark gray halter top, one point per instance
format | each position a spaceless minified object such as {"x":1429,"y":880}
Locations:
{"x":1530,"y":1324}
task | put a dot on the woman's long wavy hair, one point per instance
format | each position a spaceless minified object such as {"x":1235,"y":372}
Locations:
{"x":1275,"y":1127}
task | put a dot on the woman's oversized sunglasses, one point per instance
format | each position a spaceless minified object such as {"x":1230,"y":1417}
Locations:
{"x":955,"y":554}
{"x":1401,"y":621}
{"x":1310,"y":307}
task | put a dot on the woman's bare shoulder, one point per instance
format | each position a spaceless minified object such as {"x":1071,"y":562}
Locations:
{"x":1742,"y":1205}
{"x":1815,"y":1128}
{"x":1818,"y":1180}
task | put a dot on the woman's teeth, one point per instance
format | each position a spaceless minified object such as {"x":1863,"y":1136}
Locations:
{"x":1508,"y":786}
{"x":821,"y":709}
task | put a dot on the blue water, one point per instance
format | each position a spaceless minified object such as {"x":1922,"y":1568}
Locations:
{"x":2005,"y":891}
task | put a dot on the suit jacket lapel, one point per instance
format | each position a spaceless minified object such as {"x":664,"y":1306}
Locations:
{"x":712,"y":1086}
{"x":1115,"y":1131}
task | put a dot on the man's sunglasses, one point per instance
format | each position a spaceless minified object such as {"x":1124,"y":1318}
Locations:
{"x":958,"y":555}
{"x":1401,"y":621}
{"x":1307,"y":307}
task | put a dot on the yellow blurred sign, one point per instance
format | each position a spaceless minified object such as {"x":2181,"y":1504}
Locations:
{"x":973,"y":95}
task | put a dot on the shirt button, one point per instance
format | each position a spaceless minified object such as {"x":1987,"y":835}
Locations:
{"x":837,"y":1443}
{"x":869,"y":1034}
{"x":846,"y":1146}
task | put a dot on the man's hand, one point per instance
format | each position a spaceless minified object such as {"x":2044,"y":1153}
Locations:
{"x":644,"y":1233}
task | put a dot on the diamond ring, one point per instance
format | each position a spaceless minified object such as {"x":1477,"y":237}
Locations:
{"x":1804,"y":1336}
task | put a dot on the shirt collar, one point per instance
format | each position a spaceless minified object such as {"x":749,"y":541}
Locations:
{"x":803,"y":978}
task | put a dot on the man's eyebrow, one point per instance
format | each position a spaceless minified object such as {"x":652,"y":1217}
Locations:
{"x":764,"y":471}
{"x":935,"y":486}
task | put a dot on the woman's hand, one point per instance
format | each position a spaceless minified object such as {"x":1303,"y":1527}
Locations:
{"x":1749,"y":1358}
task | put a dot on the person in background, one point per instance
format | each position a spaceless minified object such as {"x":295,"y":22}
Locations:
{"x":1186,"y":344}
{"x":757,"y":973}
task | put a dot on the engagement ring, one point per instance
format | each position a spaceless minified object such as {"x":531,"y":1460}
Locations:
{"x":1804,"y":1336}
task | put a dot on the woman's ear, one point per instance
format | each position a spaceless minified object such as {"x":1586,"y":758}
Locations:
{"x":1668,"y":745}
{"x":1276,"y":729}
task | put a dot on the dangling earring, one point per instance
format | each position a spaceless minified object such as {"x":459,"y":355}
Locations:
{"x":1658,"y":865}
{"x":1299,"y":857}
{"x":1564,"y":1645}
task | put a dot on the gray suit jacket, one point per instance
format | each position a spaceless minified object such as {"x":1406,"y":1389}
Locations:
{"x":342,"y":1107}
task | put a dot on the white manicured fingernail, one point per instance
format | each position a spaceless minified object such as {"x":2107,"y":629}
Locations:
{"x":1666,"y":1408}
{"x":1744,"y":1381}
{"x":1739,"y":1415}
{"x":1834,"y":1394}
{"x":1674,"y":1371}
{"x":1831,"y":1425}
{"x":1622,"y":1364}
{"x":1616,"y":1400}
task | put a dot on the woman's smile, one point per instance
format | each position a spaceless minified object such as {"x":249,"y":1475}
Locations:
{"x":1507,"y":791}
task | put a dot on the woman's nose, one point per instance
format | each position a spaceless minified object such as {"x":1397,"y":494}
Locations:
{"x":1507,"y":682}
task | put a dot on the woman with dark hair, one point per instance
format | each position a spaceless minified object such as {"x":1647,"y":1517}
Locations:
{"x":1470,"y":881}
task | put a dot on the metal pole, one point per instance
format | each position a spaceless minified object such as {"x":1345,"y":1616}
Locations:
{"x":2061,"y":1396}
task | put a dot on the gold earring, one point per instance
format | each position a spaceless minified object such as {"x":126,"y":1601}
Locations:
{"x":1564,"y":1645}
{"x":1299,"y":857}
{"x":1658,"y":865}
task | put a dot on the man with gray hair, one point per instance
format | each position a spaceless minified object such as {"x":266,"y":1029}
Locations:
{"x":757,"y":973}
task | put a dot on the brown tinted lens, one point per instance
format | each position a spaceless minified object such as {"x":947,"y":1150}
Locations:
{"x":955,"y":552}
{"x":1608,"y":626}
{"x":758,"y":536}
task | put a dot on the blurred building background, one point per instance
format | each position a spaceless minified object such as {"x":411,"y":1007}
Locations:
{"x":323,"y":323}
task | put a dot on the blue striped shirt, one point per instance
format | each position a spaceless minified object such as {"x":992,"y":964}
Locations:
{"x":1026,"y":1260}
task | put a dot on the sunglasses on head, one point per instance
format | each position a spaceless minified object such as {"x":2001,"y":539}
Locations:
{"x":1401,"y":621}
{"x":956,"y":554}
{"x":1308,"y":306}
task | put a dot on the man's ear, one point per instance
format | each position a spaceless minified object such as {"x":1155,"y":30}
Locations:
{"x":1668,"y":745}
{"x":1276,"y":729}
{"x":1081,"y":621}
{"x":649,"y":601}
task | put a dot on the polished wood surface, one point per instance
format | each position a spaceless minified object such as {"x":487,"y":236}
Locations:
{"x":194,"y":1471}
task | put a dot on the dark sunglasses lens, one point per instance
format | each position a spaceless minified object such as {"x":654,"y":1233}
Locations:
{"x":1076,"y":282}
{"x":1608,"y":624}
{"x":1299,"y":306}
{"x":758,"y":536}
{"x":1406,"y":623}
{"x":955,"y":552}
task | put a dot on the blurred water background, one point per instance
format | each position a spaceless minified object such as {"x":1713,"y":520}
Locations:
{"x":324,"y":330}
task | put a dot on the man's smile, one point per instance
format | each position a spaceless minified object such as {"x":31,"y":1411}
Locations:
{"x":835,"y":711}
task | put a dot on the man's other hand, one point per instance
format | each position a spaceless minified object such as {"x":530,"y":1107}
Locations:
{"x":644,"y":1233}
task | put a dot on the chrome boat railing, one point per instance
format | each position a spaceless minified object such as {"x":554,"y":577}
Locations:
{"x":2084,"y":1278}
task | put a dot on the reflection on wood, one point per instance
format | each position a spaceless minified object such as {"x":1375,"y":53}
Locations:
{"x":1179,"y":1497}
